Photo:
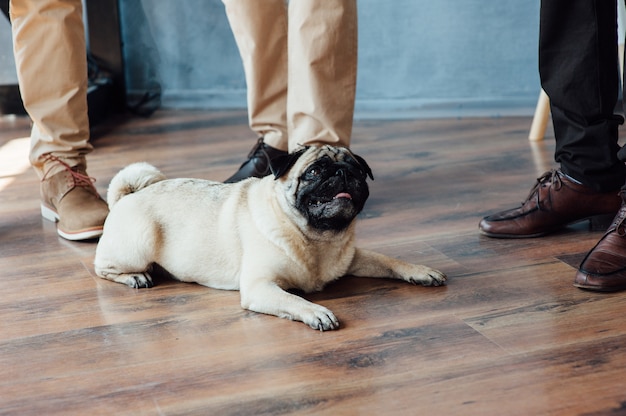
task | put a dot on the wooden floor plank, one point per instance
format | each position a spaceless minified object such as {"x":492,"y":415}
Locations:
{"x":508,"y":335}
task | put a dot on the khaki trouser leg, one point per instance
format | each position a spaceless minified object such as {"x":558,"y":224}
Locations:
{"x":50,"y":55}
{"x":322,"y":71}
{"x":300,"y":70}
{"x":260,"y":31}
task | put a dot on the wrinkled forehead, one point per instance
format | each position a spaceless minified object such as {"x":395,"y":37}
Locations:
{"x":336,"y":154}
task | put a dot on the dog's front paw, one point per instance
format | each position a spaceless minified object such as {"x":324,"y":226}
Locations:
{"x":426,"y":276}
{"x":318,"y":317}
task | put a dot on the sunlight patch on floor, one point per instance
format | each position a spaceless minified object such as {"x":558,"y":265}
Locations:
{"x":13,"y":160}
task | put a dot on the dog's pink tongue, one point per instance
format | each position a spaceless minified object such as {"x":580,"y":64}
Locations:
{"x":343,"y":195}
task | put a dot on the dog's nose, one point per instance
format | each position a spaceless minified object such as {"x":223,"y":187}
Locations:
{"x":342,"y":176}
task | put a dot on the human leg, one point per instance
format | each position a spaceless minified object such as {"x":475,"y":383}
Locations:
{"x":578,"y":68}
{"x":580,"y":73}
{"x":312,"y":80}
{"x":50,"y":56}
{"x":260,"y":31}
{"x":322,"y":71}
{"x":604,"y":268}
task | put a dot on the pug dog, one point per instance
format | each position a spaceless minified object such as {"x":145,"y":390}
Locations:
{"x":293,"y":229}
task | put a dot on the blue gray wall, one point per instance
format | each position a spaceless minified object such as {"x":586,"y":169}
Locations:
{"x":7,"y":63}
{"x":416,"y":57}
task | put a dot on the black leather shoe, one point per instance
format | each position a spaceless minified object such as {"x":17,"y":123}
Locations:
{"x":258,"y":163}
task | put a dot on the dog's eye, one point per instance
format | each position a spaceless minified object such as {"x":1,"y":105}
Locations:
{"x":313,"y":172}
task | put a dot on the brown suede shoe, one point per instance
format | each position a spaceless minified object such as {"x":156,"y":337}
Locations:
{"x":70,"y":198}
{"x":604,"y":267}
{"x":554,"y":202}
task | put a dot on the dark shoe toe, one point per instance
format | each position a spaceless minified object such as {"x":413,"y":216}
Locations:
{"x":258,"y":163}
{"x":604,"y":267}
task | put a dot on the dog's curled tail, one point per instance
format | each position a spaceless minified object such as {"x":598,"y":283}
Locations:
{"x":132,"y":179}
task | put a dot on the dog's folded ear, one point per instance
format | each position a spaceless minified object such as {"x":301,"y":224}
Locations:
{"x":363,"y":165}
{"x":280,"y":165}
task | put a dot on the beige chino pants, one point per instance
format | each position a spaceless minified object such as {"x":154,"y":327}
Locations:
{"x":300,"y":63}
{"x":50,"y":55}
{"x":299,"y":60}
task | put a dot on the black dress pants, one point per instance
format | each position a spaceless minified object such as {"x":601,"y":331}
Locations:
{"x":579,"y":71}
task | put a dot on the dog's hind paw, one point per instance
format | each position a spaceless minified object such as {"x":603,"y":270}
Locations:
{"x":136,"y":280}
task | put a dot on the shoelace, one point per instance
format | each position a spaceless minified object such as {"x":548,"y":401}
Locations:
{"x":551,"y":176}
{"x":80,"y":179}
{"x":619,"y":220}
{"x":259,"y":148}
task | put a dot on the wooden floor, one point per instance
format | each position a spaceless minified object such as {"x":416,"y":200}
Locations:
{"x":509,"y":335}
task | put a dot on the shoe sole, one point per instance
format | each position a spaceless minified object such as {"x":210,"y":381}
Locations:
{"x":596,"y":223}
{"x":86,"y":234}
{"x":600,"y":289}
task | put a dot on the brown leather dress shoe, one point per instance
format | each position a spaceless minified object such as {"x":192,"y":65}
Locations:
{"x":604,"y":267}
{"x":554,"y":202}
